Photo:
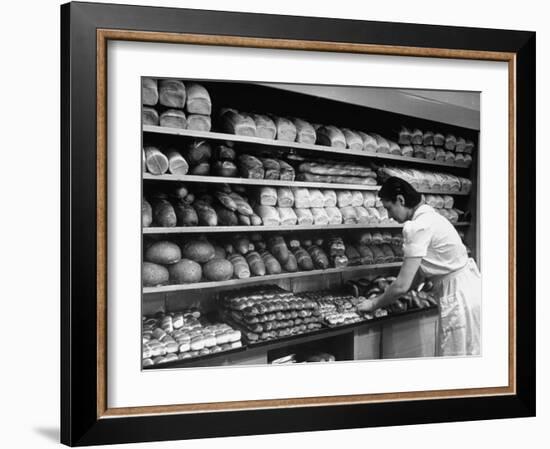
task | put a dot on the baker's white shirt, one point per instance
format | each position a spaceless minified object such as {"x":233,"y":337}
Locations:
{"x":431,"y":236}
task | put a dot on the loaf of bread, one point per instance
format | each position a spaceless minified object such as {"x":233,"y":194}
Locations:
{"x":272,"y":265}
{"x":250,"y":167}
{"x":363,"y":216}
{"x":177,"y":165}
{"x":417,"y":137}
{"x":268,"y":214}
{"x":265,"y":128}
{"x":155,"y":160}
{"x":199,"y":122}
{"x":450,"y":142}
{"x":343,"y":198}
{"x":287,"y":216}
{"x":407,"y":151}
{"x":419,"y":151}
{"x":225,"y":168}
{"x":172,"y":93}
{"x":287,"y":172}
{"x":320,"y":217}
{"x":354,"y":258}
{"x":374,"y":215}
{"x":428,"y":138}
{"x":198,"y":100}
{"x":301,"y":197}
{"x":291,"y":264}
{"x":449,"y":157}
{"x":316,"y":198}
{"x":304,"y":216}
{"x":430,"y":152}
{"x":146,"y":213}
{"x":202,"y":169}
{"x":459,"y":159}
{"x":356,"y":198}
{"x":334,"y":169}
{"x":349,"y":215}
{"x":439,"y":139}
{"x":285,"y":197}
{"x":186,"y":214}
{"x":164,"y":214}
{"x":241,"y":124}
{"x":255,"y":220}
{"x":377,"y":238}
{"x":198,"y":151}
{"x":468,"y":147}
{"x":173,"y":118}
{"x":207,"y":215}
{"x":331,"y":136}
{"x":404,"y":136}
{"x":382,"y":145}
{"x":319,"y":257}
{"x":440,"y":155}
{"x":225,"y":216}
{"x":149,"y":91}
{"x":309,"y":177}
{"x":467,"y":160}
{"x":334,"y":215}
{"x":369,"y":142}
{"x":460,"y":145}
{"x":367,"y":256}
{"x":303,"y":259}
{"x":241,"y":269}
{"x":369,"y":199}
{"x":394,"y":148}
{"x":268,"y":196}
{"x":329,"y":198}
{"x":163,"y":252}
{"x":272,"y":168}
{"x":286,"y":131}
{"x":153,"y":274}
{"x":448,"y":201}
{"x":242,"y":205}
{"x":149,"y":116}
{"x":305,"y":132}
{"x":353,"y":140}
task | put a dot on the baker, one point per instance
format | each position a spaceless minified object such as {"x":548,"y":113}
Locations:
{"x":432,"y":245}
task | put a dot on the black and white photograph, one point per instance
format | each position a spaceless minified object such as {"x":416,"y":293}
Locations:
{"x":298,"y":223}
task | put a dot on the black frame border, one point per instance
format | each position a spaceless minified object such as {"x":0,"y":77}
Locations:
{"x":79,"y":421}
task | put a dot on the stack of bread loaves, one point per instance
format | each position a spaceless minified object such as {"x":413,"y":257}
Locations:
{"x":336,"y":172}
{"x":184,"y":335}
{"x":175,"y":104}
{"x":426,"y":181}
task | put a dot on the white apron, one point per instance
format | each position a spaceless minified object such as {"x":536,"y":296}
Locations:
{"x":459,"y":294}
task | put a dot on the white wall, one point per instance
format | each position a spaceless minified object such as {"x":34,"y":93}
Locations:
{"x":29,"y":392}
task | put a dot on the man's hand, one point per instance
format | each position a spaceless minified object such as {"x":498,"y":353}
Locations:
{"x":368,"y":305}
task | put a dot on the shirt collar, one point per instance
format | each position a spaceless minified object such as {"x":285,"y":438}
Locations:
{"x":422,"y":209}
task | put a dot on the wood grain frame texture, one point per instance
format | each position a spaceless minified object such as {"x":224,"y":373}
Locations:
{"x":106,"y":35}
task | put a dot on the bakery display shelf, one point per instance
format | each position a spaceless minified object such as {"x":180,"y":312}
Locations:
{"x":278,"y":183}
{"x":291,"y":145}
{"x":265,"y":278}
{"x":200,"y":358}
{"x":221,"y":229}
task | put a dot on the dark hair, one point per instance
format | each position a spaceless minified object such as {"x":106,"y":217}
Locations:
{"x":394,"y":186}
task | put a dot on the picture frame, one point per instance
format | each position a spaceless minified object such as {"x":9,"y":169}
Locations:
{"x":86,"y":29}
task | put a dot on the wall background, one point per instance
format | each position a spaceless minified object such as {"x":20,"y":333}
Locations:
{"x":29,"y":390}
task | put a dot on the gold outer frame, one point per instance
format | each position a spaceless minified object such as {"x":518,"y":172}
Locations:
{"x":105,"y":35}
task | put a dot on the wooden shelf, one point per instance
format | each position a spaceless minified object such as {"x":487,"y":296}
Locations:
{"x":233,"y":229}
{"x":295,"y":145}
{"x":275,"y":183}
{"x":266,"y":278}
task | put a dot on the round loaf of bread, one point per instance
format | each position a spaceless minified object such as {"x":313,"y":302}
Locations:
{"x":218,"y":270}
{"x":163,"y":252}
{"x":199,"y":251}
{"x":185,"y":271}
{"x":153,"y":274}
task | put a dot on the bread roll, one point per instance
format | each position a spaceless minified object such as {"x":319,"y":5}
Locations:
{"x":331,"y":136}
{"x":286,"y":130}
{"x":407,"y":151}
{"x":198,"y":100}
{"x":199,"y":122}
{"x":177,"y":165}
{"x":305,"y":217}
{"x":172,"y":93}
{"x":430,"y":152}
{"x":268,"y":196}
{"x":305,"y":132}
{"x":460,"y":145}
{"x":334,"y":215}
{"x":369,"y":142}
{"x":269,"y":215}
{"x":417,"y":137}
{"x":156,"y":162}
{"x":404,"y":136}
{"x":240,"y":124}
{"x":450,"y":142}
{"x":149,"y":91}
{"x":265,"y":127}
{"x":344,"y":198}
{"x":353,"y":140}
{"x":439,"y":140}
{"x":149,"y":116}
{"x":285,"y":198}
{"x":173,"y":118}
{"x":382,"y":145}
{"x":320,"y":217}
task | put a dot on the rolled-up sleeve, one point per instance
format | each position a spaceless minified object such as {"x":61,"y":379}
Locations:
{"x":416,"y":239}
